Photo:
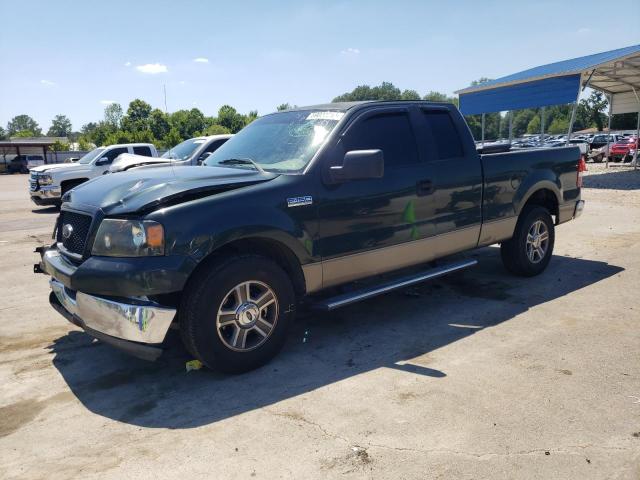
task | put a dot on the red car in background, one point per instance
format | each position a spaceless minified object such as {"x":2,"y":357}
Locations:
{"x":624,"y":149}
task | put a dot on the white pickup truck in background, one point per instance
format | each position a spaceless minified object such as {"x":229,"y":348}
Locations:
{"x":48,"y":183}
{"x":191,"y":152}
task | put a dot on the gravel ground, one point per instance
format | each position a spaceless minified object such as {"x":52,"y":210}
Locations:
{"x":478,"y":375}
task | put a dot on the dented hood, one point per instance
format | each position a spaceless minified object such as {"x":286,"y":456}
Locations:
{"x":129,"y":192}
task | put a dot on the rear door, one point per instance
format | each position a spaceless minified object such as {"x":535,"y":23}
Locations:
{"x":372,"y":226}
{"x":457,"y":189}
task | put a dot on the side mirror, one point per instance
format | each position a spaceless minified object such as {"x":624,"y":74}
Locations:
{"x":359,"y":165}
{"x":203,"y":157}
{"x":102,"y":161}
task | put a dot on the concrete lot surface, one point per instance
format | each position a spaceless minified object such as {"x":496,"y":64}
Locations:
{"x":478,"y":375}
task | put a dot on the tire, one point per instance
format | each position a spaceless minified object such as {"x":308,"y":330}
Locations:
{"x":517,"y":252}
{"x":211,"y":336}
{"x":599,"y":158}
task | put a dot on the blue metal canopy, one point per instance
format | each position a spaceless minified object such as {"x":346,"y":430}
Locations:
{"x":613,"y":72}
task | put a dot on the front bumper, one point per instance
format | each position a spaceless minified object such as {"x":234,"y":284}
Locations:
{"x":142,"y":321}
{"x":134,"y":324}
{"x":49,"y":195}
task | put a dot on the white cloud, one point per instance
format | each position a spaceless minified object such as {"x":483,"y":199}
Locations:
{"x":47,"y":83}
{"x":201,"y":60}
{"x":107,"y":102}
{"x":152,"y":68}
{"x":584,"y":31}
{"x":182,"y":82}
{"x":127,"y":64}
{"x":350,"y":51}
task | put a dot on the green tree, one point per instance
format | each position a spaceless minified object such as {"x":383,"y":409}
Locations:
{"x":113,"y":114}
{"x":595,"y":107}
{"x":84,"y":144}
{"x":558,"y":125}
{"x":188,"y":123}
{"x":3,"y":134}
{"x":216,"y":129}
{"x":171,"y":139}
{"x":159,"y":123}
{"x":60,"y":127}
{"x":284,"y":106}
{"x":21,"y":123}
{"x":384,"y":91}
{"x":410,"y":95}
{"x":137,"y":117}
{"x":250,"y":117}
{"x":534,"y":125}
{"x":118,"y":136}
{"x":59,"y":146}
{"x":229,"y":118}
{"x":25,"y":134}
{"x":440,"y":97}
{"x":87,"y":128}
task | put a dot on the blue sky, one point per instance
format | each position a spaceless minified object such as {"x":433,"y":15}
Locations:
{"x":71,"y":57}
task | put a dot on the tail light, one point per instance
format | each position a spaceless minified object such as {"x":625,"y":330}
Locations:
{"x":582,"y":167}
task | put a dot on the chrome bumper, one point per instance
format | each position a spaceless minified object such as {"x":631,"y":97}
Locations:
{"x":143,"y":322}
{"x":46,"y":193}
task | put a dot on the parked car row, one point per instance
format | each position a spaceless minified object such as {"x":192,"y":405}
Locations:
{"x":49,"y":183}
{"x":296,"y":205}
{"x":596,"y":147}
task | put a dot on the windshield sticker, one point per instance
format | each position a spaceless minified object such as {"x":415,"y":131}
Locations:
{"x":325,"y":116}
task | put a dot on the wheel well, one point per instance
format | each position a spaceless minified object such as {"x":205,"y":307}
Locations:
{"x":544,"y":198}
{"x":268,"y":248}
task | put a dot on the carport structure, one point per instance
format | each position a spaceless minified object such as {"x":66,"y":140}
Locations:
{"x":616,"y":73}
{"x":18,"y":147}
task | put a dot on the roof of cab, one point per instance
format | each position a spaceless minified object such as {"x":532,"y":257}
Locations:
{"x":344,"y":106}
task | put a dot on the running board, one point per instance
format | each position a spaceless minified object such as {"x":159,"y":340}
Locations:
{"x":338,"y":301}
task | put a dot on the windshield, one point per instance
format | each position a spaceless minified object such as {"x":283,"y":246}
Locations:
{"x":283,"y":142}
{"x":184,"y":150}
{"x":89,"y":157}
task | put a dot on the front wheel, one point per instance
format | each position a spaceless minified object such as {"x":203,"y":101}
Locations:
{"x":529,"y":251}
{"x":235,"y":315}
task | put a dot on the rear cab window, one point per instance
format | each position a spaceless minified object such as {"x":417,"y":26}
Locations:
{"x":142,"y":150}
{"x":444,"y":134}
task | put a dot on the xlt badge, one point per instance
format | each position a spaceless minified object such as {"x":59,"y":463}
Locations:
{"x":299,"y":201}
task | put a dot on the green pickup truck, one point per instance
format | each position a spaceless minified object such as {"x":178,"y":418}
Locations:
{"x":291,"y":210}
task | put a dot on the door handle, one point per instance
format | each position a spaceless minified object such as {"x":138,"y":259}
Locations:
{"x":424,"y":187}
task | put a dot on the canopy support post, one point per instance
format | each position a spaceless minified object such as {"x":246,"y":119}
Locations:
{"x":635,"y":156}
{"x":542,"y":124}
{"x":510,"y":126}
{"x":483,"y":130}
{"x":609,"y":129}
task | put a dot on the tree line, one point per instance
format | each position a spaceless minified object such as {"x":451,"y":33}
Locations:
{"x":143,"y":123}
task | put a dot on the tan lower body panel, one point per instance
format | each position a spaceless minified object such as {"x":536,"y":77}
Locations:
{"x":381,"y":260}
{"x":497,"y":230}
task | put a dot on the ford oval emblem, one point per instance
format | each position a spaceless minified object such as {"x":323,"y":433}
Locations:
{"x":67,"y":231}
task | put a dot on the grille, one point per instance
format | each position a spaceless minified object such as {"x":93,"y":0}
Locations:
{"x":80,"y":223}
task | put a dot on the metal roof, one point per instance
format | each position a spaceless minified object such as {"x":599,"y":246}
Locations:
{"x":615,"y":71}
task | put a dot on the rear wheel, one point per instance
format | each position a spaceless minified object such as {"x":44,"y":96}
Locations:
{"x":234,"y":316}
{"x":530,"y":249}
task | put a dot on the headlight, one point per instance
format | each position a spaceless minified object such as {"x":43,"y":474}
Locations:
{"x":45,"y":179}
{"x":129,"y":238}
